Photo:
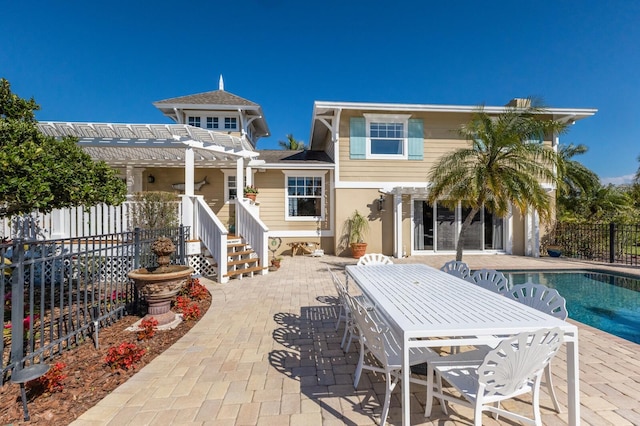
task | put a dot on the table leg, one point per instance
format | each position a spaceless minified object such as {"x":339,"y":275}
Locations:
{"x":406,"y":385}
{"x":573,"y":382}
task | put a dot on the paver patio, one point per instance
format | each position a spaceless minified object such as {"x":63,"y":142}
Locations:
{"x":267,"y":353}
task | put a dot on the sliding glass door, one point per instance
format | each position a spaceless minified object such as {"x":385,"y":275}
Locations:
{"x":436,"y":228}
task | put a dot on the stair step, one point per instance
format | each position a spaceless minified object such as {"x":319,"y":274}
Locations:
{"x":243,"y":261}
{"x":244,"y":271}
{"x":234,"y":245}
{"x":239,"y":253}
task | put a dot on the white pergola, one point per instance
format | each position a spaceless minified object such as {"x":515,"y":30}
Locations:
{"x":159,"y":145}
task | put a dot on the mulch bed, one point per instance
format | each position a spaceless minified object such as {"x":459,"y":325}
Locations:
{"x":89,"y":378}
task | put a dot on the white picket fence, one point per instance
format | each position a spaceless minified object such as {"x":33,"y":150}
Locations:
{"x":75,"y":222}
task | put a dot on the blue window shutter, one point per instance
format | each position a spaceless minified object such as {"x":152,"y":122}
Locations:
{"x":357,"y":138}
{"x":416,"y":139}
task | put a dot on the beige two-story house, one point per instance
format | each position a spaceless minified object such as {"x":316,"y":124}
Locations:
{"x":370,"y":157}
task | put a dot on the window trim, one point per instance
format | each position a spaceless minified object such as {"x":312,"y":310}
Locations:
{"x":387,"y":118}
{"x":323,"y":195}
{"x":233,"y":172}
{"x":197,"y":120}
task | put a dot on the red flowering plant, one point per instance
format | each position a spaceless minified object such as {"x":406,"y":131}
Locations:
{"x":189,"y":309}
{"x":124,"y":356}
{"x":51,"y":381}
{"x":195,"y":290}
{"x":147,"y":328}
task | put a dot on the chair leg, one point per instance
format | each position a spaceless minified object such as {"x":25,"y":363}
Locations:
{"x":339,"y":317}
{"x":359,"y":367}
{"x":443,"y":404}
{"x":429,"y":404}
{"x":536,"y":403}
{"x":387,"y":399}
{"x":477,"y":413}
{"x":552,"y":392}
{"x":344,"y":336}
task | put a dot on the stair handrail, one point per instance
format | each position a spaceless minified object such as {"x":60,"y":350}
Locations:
{"x":253,"y":230}
{"x":212,"y":233}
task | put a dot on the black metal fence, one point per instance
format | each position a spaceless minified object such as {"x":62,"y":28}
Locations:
{"x":599,"y":242}
{"x":57,"y":293}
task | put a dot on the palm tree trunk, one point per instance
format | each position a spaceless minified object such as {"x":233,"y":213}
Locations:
{"x":463,"y":229}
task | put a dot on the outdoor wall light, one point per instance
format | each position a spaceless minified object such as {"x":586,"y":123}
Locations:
{"x":151,"y":179}
{"x":380,"y":202}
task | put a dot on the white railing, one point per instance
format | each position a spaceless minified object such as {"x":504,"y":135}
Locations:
{"x":74,"y":222}
{"x":253,"y":230}
{"x":208,"y":229}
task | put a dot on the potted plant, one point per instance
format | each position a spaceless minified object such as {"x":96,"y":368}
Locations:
{"x":554,"y":250}
{"x":358,"y":226}
{"x":250,"y":192}
{"x":275,"y":262}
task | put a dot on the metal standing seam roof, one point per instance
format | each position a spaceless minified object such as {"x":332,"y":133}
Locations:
{"x":151,"y":144}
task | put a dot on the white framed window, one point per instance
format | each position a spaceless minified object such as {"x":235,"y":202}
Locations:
{"x":230,"y":185}
{"x":305,"y":198}
{"x":230,"y":123}
{"x":387,"y":136}
{"x":193,"y":121}
{"x":213,"y":123}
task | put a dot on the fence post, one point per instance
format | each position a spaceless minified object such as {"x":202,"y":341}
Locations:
{"x":17,"y":304}
{"x":612,"y":242}
{"x":183,"y":246}
{"x":136,"y":247}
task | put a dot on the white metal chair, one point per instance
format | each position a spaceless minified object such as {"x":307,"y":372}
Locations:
{"x":374,"y":259}
{"x":457,"y":268}
{"x":379,"y":340}
{"x":513,"y":368}
{"x":344,"y":313}
{"x":546,"y":300}
{"x":491,"y":280}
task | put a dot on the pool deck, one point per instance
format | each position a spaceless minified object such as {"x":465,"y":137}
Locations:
{"x":267,"y":353}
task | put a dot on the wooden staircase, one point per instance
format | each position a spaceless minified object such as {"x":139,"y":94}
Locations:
{"x":242,"y":259}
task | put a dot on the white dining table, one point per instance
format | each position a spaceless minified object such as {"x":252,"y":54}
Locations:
{"x":430,"y":308}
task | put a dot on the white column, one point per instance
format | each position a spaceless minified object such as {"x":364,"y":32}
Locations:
{"x":240,"y":177}
{"x":397,"y":217}
{"x":130,"y":178}
{"x":187,"y":199}
{"x":189,"y":171}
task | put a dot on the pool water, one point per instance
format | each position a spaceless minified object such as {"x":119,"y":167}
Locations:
{"x":605,"y":301}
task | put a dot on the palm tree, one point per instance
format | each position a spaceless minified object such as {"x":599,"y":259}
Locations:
{"x":574,"y":177}
{"x":575,"y":181}
{"x":292,"y":144}
{"x":503,"y":166}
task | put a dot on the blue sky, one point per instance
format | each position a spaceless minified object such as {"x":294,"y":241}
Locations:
{"x":108,"y":61}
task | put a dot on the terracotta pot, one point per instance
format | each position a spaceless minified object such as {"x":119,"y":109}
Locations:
{"x":358,"y":250}
{"x":250,"y":196}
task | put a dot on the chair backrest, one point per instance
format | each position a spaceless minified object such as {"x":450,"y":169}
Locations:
{"x":457,"y":268}
{"x":517,"y":361}
{"x":491,"y":280}
{"x":340,"y":287}
{"x":540,"y":297}
{"x":374,"y":259}
{"x":371,"y":327}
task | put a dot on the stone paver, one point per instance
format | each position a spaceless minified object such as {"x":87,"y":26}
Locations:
{"x":267,"y":353}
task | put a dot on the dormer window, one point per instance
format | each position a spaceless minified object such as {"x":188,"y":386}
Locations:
{"x":213,"y":123}
{"x":193,"y":121}
{"x":230,"y":123}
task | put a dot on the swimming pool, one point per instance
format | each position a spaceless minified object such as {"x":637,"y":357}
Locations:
{"x":602,"y":300}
